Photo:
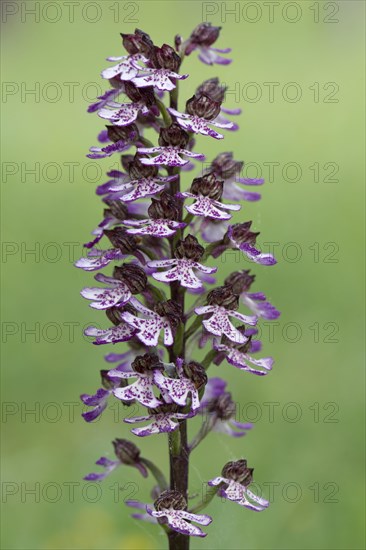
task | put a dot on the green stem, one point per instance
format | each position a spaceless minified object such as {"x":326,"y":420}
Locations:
{"x":197,"y":323}
{"x":164,"y":112}
{"x":209,"y":358}
{"x":209,"y":496}
{"x":157,"y":473}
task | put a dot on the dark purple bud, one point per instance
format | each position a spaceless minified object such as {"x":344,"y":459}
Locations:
{"x":241,"y":234}
{"x":171,"y":310}
{"x":173,"y":136}
{"x":140,"y":94}
{"x":225,"y":166}
{"x":239,"y":472}
{"x":208,"y":186}
{"x":145,"y":363}
{"x":203,"y":107}
{"x":114,"y":315}
{"x":212,"y":89}
{"x":133,"y":276}
{"x":223,"y":407}
{"x":167,"y":58}
{"x":124,"y":133}
{"x":121,"y":239}
{"x":137,"y":170}
{"x":126,"y":451}
{"x":170,"y":499}
{"x":139,"y":42}
{"x":223,"y":296}
{"x":240,"y":281}
{"x":203,"y":35}
{"x":189,"y":248}
{"x":165,"y":207}
{"x":117,"y":208}
{"x":195,"y":372}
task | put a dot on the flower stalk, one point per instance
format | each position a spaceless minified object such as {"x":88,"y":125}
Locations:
{"x":164,"y":228}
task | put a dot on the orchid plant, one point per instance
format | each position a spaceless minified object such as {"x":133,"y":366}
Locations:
{"x":160,"y":299}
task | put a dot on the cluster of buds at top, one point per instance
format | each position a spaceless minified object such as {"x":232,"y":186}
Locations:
{"x":159,"y":231}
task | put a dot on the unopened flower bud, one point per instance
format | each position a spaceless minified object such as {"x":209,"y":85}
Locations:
{"x":195,"y":372}
{"x":165,"y":207}
{"x":225,"y":166}
{"x":139,"y":42}
{"x":137,"y":170}
{"x":133,"y":276}
{"x":121,"y":239}
{"x":189,"y":248}
{"x":167,"y":58}
{"x":241,"y":233}
{"x":223,"y":407}
{"x":173,"y":136}
{"x":170,"y":499}
{"x":239,"y":472}
{"x":203,"y":107}
{"x":203,"y":35}
{"x":126,"y":451}
{"x":208,"y":186}
{"x":171,"y":310}
{"x":125,"y":133}
{"x":240,"y":281}
{"x":147,"y":362}
{"x":117,"y":208}
{"x":213,"y":89}
{"x":114,"y":315}
{"x":223,"y":296}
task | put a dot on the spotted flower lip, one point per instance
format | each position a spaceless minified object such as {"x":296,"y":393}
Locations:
{"x":148,"y":330}
{"x":240,"y":494}
{"x":155,"y":227}
{"x":219,"y":323}
{"x":127,"y":68}
{"x":250,"y":251}
{"x":104,"y":99}
{"x":141,"y":390}
{"x":119,"y":333}
{"x":180,"y":520}
{"x":168,"y":156}
{"x":97,"y":259}
{"x":258,"y":304}
{"x":116,"y":293}
{"x":199,"y":125}
{"x":181,"y":270}
{"x":109,"y":150}
{"x":136,"y":189}
{"x":209,"y":208}
{"x":158,"y":78}
{"x":242,"y":360}
{"x":179,"y":389}
{"x":161,"y":423}
{"x":123,"y":114}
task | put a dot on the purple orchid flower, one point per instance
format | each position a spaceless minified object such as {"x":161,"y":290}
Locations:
{"x":117,"y":293}
{"x":168,"y":156}
{"x":127,"y":68}
{"x":219,"y":323}
{"x":209,"y":208}
{"x":234,"y":482}
{"x":199,"y":125}
{"x":127,"y":453}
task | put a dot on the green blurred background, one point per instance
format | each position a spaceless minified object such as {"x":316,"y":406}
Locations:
{"x":311,"y":447}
